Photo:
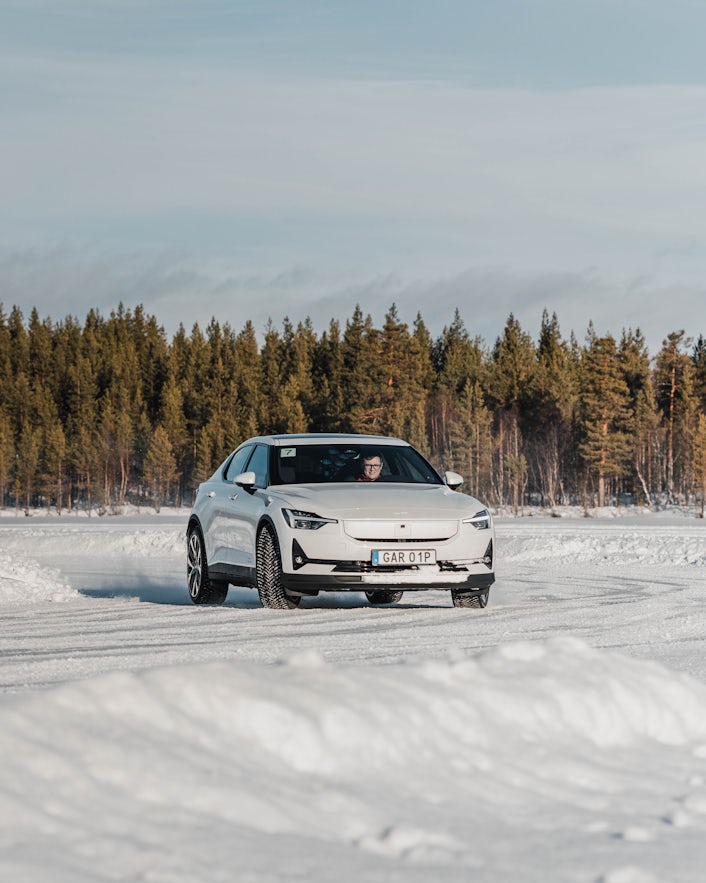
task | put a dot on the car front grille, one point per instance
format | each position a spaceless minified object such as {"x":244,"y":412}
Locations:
{"x":400,"y":531}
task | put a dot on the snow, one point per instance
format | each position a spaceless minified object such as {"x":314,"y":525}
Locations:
{"x":557,"y":735}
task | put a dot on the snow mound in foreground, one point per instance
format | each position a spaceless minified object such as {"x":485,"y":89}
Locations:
{"x":314,"y":717}
{"x":178,"y":773}
{"x":25,"y":582}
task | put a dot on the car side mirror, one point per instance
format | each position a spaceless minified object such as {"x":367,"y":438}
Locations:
{"x":245,"y":479}
{"x":453,"y":480}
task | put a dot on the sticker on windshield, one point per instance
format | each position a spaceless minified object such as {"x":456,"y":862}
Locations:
{"x":288,"y":452}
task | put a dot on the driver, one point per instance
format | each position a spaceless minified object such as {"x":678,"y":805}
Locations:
{"x":371,"y":468}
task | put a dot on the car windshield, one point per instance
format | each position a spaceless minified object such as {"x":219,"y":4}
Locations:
{"x":328,"y":463}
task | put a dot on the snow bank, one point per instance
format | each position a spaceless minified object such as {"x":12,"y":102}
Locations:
{"x":178,"y":774}
{"x":102,"y":540}
{"x":666,"y":546}
{"x":113,"y":514}
{"x":23,"y":581}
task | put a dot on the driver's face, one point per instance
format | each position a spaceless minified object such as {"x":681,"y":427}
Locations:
{"x":372,"y":466}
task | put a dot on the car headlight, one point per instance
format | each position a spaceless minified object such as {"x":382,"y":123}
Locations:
{"x":481,"y":520}
{"x":305,"y":520}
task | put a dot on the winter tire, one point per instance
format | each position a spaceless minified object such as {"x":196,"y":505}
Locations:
{"x":269,"y":574}
{"x":468,"y":599}
{"x":202,"y":589}
{"x":383,"y":597}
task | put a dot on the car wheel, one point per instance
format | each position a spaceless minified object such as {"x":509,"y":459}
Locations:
{"x":269,"y":574}
{"x":383,"y":597}
{"x":202,"y":589}
{"x":467,"y":599}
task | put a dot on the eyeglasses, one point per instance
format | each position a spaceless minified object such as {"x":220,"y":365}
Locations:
{"x":372,"y":465}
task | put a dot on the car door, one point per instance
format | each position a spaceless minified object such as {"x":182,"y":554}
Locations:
{"x":248,"y":507}
{"x":240,"y":510}
{"x":222,"y":541}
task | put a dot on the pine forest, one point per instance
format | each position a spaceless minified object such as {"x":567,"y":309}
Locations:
{"x":110,"y":412}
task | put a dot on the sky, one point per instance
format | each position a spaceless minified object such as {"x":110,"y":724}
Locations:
{"x":254,"y":160}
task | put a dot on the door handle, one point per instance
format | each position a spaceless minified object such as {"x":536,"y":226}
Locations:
{"x":211,"y":494}
{"x":233,"y":497}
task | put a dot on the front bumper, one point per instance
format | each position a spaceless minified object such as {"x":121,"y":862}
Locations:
{"x":463,"y":563}
{"x":420,"y":581}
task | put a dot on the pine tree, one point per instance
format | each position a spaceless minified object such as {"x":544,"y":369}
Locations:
{"x":184,"y":352}
{"x":173,"y":422}
{"x":28,"y":447}
{"x":644,"y":423}
{"x":327,"y":408}
{"x":160,"y":467}
{"x":81,"y":405}
{"x":221,"y":391}
{"x":205,"y":458}
{"x":298,"y":348}
{"x":548,"y":417}
{"x":67,"y":345}
{"x":605,"y":444}
{"x":457,"y":358}
{"x":52,"y":446}
{"x":460,"y":376}
{"x":123,"y":420}
{"x":105,"y":447}
{"x":152,"y":357}
{"x":512,"y":380}
{"x":422,"y":384}
{"x":195,"y":361}
{"x":19,"y":343}
{"x":282,"y":409}
{"x":363,"y":373}
{"x":249,"y":383}
{"x":398,"y":393}
{"x":7,"y":457}
{"x":699,"y":458}
{"x":471,"y":439}
{"x":53,"y":465}
{"x":40,"y":344}
{"x":698,"y":357}
{"x":677,"y":402}
{"x":85,"y":459}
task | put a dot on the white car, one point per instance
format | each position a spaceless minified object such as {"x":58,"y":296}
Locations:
{"x":295,"y":515}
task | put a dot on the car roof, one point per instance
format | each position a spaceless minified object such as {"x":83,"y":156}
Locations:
{"x":333,"y":438}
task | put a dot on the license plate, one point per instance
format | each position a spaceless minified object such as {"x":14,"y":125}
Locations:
{"x":392,"y":557}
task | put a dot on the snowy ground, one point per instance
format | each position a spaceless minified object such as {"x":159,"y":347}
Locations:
{"x":558,"y":735}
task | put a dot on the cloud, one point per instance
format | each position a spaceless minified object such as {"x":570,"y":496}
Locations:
{"x":65,"y":282}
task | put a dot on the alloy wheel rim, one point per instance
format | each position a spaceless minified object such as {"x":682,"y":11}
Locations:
{"x":194,"y":574}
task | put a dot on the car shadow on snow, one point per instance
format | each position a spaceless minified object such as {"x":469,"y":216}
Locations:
{"x":348,"y":600}
{"x":167,"y":592}
{"x":137,"y":588}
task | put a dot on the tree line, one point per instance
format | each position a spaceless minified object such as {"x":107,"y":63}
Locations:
{"x":107,"y":412}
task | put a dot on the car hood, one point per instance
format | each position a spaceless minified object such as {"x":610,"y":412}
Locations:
{"x":360,"y":500}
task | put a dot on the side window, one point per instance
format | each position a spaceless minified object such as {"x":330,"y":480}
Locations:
{"x":258,"y":465}
{"x":237,"y":463}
